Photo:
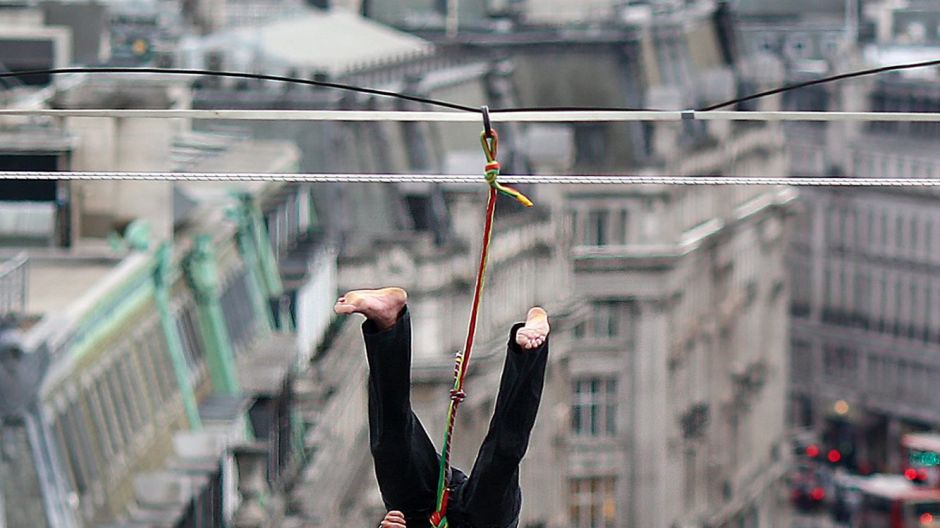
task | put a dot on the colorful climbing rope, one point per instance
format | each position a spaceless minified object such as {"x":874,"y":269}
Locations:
{"x":489,"y":139}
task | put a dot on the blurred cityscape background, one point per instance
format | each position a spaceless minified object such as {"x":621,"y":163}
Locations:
{"x":722,"y":357}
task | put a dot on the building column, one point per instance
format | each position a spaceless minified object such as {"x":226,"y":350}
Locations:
{"x":268,"y":276}
{"x":203,"y":278}
{"x":251,"y":253}
{"x":52,"y":480}
{"x":253,"y":490}
{"x":816,"y":205}
{"x":650,"y":486}
{"x":174,"y":345}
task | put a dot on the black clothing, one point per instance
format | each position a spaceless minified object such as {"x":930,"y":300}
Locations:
{"x":406,"y":463}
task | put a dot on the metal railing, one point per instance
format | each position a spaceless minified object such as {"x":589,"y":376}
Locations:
{"x":14,"y":283}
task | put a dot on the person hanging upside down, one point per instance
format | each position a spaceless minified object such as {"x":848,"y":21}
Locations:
{"x":406,"y":462}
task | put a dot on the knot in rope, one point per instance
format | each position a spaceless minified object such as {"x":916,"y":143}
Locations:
{"x":490,"y":143}
{"x":457,"y":395}
{"x":491,"y":172}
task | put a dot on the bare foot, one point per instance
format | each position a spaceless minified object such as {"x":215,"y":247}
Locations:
{"x":536,"y":328}
{"x":379,"y":306}
{"x":393,"y":519}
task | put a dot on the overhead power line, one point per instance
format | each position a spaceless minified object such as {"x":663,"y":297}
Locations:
{"x":449,"y":104}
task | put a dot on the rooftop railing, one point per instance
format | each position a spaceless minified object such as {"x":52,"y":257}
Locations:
{"x":14,"y":277}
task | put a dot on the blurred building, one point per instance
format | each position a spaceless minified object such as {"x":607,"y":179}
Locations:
{"x":164,"y":448}
{"x":339,"y":46}
{"x":678,"y":372}
{"x":151,"y":385}
{"x":27,"y":43}
{"x":865,"y":346}
{"x":149,"y":353}
{"x":525,"y":257}
{"x":664,"y":404}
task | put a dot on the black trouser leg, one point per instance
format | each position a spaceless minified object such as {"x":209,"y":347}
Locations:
{"x":491,"y":497}
{"x":406,"y":463}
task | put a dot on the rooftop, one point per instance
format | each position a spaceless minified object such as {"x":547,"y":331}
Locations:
{"x":22,"y":139}
{"x":274,"y":157}
{"x":54,"y":283}
{"x":333,"y":41}
{"x":788,"y":8}
{"x":889,"y":55}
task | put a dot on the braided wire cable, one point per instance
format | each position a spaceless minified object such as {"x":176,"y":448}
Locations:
{"x":472,"y":178}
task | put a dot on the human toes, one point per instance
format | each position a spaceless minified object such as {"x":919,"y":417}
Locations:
{"x":528,"y":339}
{"x":393,"y":519}
{"x":343,"y":307}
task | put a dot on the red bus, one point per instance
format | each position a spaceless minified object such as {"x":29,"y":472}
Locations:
{"x":892,"y":501}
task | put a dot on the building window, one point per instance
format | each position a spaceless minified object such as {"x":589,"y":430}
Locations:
{"x":875,"y":374}
{"x":884,"y":230}
{"x":843,"y":229}
{"x":898,"y":306}
{"x":590,"y":144}
{"x":606,"y":319}
{"x":594,"y":407}
{"x":928,"y":308}
{"x":595,"y":230}
{"x":609,"y":320}
{"x":238,"y":310}
{"x":862,"y":299}
{"x":899,"y":233}
{"x":831,"y":234}
{"x":840,"y":364}
{"x":579,"y":332}
{"x":903,"y":378}
{"x":928,"y":238}
{"x":801,"y":358}
{"x":622,"y":226}
{"x":883,"y":316}
{"x":187,"y":325}
{"x":592,"y":502}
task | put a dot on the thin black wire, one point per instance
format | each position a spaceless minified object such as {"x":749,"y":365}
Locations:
{"x":244,"y":75}
{"x":571,"y":109}
{"x":456,"y":106}
{"x":832,"y":78}
{"x":730,"y":102}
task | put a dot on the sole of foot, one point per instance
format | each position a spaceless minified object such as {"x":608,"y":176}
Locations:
{"x":535,"y":331}
{"x":381,"y":306}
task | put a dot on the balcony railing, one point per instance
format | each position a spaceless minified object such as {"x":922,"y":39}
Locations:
{"x":14,"y":277}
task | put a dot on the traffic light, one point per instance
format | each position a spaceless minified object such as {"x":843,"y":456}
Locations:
{"x":812,"y":451}
{"x":834,"y":456}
